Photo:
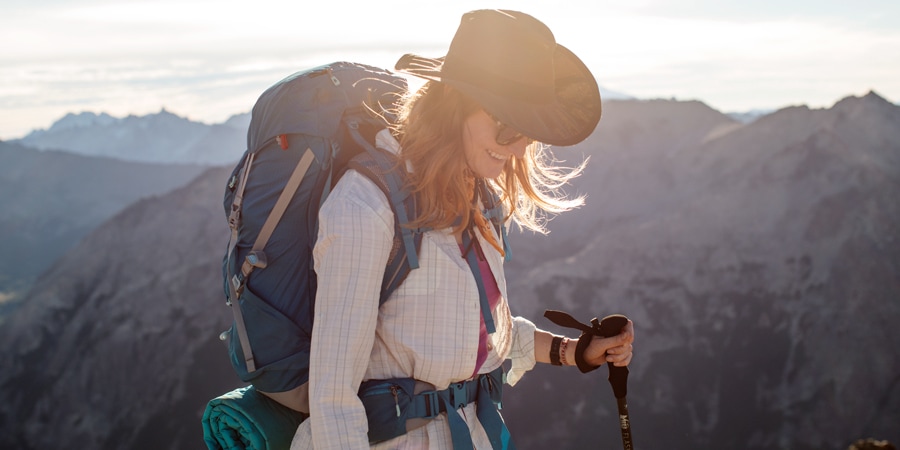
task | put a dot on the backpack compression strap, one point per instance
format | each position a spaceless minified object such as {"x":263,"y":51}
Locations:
{"x":234,"y":222}
{"x":257,"y":257}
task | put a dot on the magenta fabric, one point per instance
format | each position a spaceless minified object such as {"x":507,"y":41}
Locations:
{"x":493,"y":294}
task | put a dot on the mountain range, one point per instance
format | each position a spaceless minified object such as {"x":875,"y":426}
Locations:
{"x":761,"y":265}
{"x":759,"y":261}
{"x":157,"y":138}
{"x":167,"y":138}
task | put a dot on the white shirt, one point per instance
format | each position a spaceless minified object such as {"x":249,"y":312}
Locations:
{"x":428,"y":329}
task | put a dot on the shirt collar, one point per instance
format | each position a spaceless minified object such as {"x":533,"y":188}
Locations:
{"x":386,"y":141}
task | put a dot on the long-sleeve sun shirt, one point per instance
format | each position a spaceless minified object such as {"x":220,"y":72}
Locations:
{"x":428,"y":329}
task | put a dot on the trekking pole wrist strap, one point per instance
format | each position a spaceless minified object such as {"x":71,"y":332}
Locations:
{"x":587,"y":334}
{"x":583,"y":342}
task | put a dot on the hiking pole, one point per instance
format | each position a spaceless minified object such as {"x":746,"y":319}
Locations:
{"x":618,"y":376}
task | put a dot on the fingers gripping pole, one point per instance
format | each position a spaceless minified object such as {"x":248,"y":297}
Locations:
{"x":618,"y":376}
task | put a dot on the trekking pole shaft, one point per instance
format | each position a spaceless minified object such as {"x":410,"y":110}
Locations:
{"x":625,"y":424}
{"x":618,"y":376}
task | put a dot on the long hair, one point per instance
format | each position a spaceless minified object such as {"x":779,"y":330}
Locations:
{"x":430,"y":130}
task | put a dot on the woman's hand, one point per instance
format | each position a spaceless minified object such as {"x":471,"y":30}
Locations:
{"x":616,"y":349}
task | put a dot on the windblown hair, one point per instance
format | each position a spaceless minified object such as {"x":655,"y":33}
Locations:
{"x":430,"y":129}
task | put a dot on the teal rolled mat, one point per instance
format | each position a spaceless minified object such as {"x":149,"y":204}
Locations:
{"x":244,"y":419}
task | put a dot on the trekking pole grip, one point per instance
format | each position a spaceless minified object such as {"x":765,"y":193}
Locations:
{"x":608,"y":327}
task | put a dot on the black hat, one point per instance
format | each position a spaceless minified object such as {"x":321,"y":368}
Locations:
{"x":510,"y":63}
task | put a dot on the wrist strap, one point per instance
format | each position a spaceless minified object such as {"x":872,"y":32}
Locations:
{"x":554,"y":350}
{"x":583,"y":343}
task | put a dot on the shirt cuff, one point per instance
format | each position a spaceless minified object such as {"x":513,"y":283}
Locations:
{"x":522,"y":352}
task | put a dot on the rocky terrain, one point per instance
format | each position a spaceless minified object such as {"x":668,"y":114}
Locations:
{"x":762,"y":277}
{"x":53,"y":199}
{"x":117,"y":344}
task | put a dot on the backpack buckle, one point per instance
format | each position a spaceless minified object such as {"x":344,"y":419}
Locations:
{"x":234,"y":217}
{"x":458,"y":395}
{"x":431,"y":404}
{"x":237,"y":282}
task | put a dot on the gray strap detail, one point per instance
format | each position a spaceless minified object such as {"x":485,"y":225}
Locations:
{"x":256,"y":257}
{"x":234,"y":285}
{"x":241,"y":328}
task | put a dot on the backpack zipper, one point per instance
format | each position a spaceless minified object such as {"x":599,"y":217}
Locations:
{"x":394,"y":390}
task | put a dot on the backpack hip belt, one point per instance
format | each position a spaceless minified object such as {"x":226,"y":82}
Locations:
{"x":390,"y":403}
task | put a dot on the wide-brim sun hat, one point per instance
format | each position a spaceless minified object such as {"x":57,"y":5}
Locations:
{"x":509,"y":62}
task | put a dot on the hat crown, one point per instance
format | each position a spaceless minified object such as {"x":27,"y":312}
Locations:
{"x":509,"y":62}
{"x":508,"y":52}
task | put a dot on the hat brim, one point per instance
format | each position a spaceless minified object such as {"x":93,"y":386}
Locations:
{"x":567,"y":120}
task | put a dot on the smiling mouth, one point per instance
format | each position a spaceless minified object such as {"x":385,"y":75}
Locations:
{"x":496,"y":155}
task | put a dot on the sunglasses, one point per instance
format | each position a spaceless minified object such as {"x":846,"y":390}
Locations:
{"x":507,"y":135}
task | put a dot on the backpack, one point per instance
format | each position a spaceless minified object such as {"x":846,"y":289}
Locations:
{"x":304,"y":132}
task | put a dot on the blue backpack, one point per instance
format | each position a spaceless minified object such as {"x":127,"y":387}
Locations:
{"x":304,"y":132}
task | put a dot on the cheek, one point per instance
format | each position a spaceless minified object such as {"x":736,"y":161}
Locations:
{"x":469,"y":144}
{"x":519,"y":149}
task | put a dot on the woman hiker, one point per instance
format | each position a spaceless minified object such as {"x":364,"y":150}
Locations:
{"x":474,"y":131}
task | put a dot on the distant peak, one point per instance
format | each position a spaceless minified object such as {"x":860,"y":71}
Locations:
{"x":82,"y":120}
{"x":872,"y":95}
{"x":870,"y":100}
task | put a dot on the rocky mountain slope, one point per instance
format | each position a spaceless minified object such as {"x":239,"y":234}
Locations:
{"x":760,"y":262}
{"x":53,"y":198}
{"x":116,"y":346}
{"x":763,"y":278}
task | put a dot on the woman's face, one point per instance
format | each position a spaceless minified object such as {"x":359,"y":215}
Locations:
{"x":483,"y":154}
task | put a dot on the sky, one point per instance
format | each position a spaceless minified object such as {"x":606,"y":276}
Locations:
{"x":208,"y":60}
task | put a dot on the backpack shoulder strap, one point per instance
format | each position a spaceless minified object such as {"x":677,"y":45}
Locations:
{"x":493,"y":211}
{"x":387,"y":172}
